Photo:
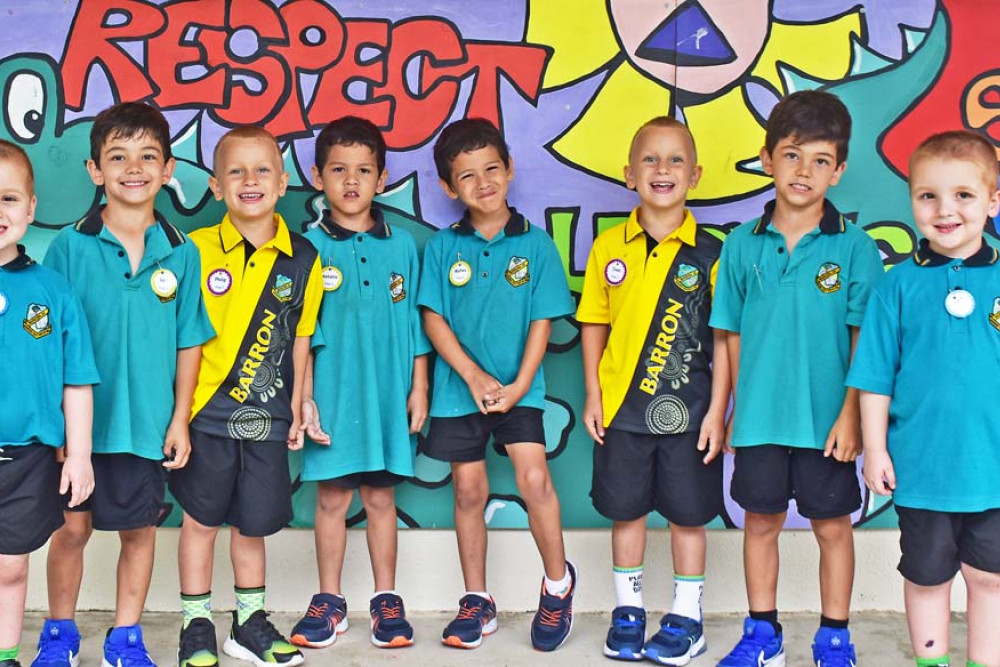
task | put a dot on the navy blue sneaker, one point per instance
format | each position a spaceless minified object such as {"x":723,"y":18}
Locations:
{"x":627,"y":634}
{"x":324,"y":621}
{"x":477,"y":617}
{"x":259,"y":642}
{"x":554,"y":619}
{"x":390,"y":629}
{"x":832,"y":647}
{"x":760,"y":646}
{"x":123,"y":647}
{"x":58,"y":645}
{"x":680,"y":638}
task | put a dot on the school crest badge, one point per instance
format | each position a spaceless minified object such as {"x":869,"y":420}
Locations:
{"x":517,"y":271}
{"x":282,"y":289}
{"x":688,"y":277}
{"x":995,"y":315}
{"x":396,"y":287}
{"x":828,"y":278}
{"x":36,"y":322}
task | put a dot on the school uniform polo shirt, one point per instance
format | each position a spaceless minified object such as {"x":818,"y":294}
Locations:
{"x":489,"y":293}
{"x":44,"y":346}
{"x":655,"y":372}
{"x":136,"y":332}
{"x":367,"y":336}
{"x":258,"y":305}
{"x":793,"y":314}
{"x":942,"y":373}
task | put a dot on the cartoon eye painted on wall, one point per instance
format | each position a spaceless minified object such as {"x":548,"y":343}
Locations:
{"x":24,"y":105}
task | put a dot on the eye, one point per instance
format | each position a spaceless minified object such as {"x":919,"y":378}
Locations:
{"x":337,"y":170}
{"x":235,"y":171}
{"x":791,"y":156}
{"x":365,"y":170}
{"x":25,"y":106}
{"x":822,"y":162}
{"x":117,"y":157}
{"x":150,"y":157}
{"x":965,"y":195}
{"x":925,"y":196}
{"x":263,"y":170}
{"x":9,"y":199}
{"x":649,"y":159}
{"x":677,"y":159}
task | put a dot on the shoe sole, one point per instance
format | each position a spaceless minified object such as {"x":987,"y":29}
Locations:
{"x":455,"y":642}
{"x":74,"y":660}
{"x":395,"y":642}
{"x":696,"y":649}
{"x":623,"y":655}
{"x":215,"y":664}
{"x":776,"y":661}
{"x":233,"y":649}
{"x":300,"y":640}
{"x":576,"y":584}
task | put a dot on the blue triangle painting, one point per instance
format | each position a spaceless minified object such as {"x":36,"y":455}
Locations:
{"x":687,"y":38}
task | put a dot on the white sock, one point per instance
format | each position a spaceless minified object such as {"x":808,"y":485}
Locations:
{"x":687,"y":596}
{"x":628,"y":586}
{"x":558,"y":587}
{"x":482,"y":594}
{"x":378,"y":593}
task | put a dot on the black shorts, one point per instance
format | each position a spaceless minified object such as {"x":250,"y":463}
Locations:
{"x":128,"y":492}
{"x":380,"y":479}
{"x":935,"y":544}
{"x":766,"y":477}
{"x":463,"y":439}
{"x":30,"y":507}
{"x":636,"y":473}
{"x":240,"y":482}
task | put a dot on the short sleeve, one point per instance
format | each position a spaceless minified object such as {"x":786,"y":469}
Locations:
{"x":421,"y":344}
{"x":193,"y":325}
{"x":57,"y":257}
{"x":313,"y":297}
{"x":550,"y":297}
{"x":79,"y":367}
{"x":431,"y":295}
{"x":730,"y":294}
{"x":866,"y":271}
{"x":876,"y":359}
{"x":595,"y":300}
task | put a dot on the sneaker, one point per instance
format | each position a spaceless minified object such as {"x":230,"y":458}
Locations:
{"x":123,"y":647}
{"x":680,"y":638}
{"x":58,"y":645}
{"x":554,"y":619}
{"x":260,"y":642}
{"x":627,"y":634}
{"x":325,"y":620}
{"x":198,"y":647}
{"x":477,"y":617}
{"x":760,"y":646}
{"x":390,"y":629}
{"x":9,"y":662}
{"x":832,"y":647}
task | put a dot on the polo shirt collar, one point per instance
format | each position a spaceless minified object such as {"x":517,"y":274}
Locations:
{"x":22,"y":261}
{"x":686,"y":233}
{"x":924,"y":256}
{"x":832,"y":221}
{"x":337,"y":232}
{"x":158,"y":246}
{"x":230,"y":237}
{"x":517,"y":224}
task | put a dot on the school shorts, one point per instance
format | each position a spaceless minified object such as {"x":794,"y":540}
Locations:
{"x":463,"y":439}
{"x":379,"y":479}
{"x":636,"y":473}
{"x":935,"y":544}
{"x":128,"y":492}
{"x":30,"y":507}
{"x":766,"y":477}
{"x":242,"y":483}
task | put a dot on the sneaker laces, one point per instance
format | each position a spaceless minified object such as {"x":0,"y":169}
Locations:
{"x":197,"y":636}
{"x":550,"y":617}
{"x":317,"y":610}
{"x":133,"y":654}
{"x":53,"y":648}
{"x":468,"y":611}
{"x":387,"y":612}
{"x":261,"y":630}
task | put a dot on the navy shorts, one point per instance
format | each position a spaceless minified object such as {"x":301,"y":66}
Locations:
{"x":379,"y":479}
{"x":464,"y":439}
{"x":30,"y":507}
{"x":128,"y":492}
{"x":935,"y":544}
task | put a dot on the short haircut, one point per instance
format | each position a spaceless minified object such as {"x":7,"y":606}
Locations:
{"x":127,"y":120}
{"x":464,"y":136}
{"x":245,"y":132}
{"x":669,"y":123}
{"x":810,"y":115}
{"x":960,"y":145}
{"x":13,"y":153}
{"x":350,"y":131}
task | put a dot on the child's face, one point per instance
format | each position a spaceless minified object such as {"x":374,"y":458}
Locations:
{"x":350,"y":179}
{"x":951,"y":201}
{"x":662,"y":167}
{"x":132,"y":170}
{"x":17,"y":207}
{"x":479,"y":179}
{"x":802,"y":171}
{"x":249,"y":178}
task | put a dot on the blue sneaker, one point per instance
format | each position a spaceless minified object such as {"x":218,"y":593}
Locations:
{"x":123,"y":647}
{"x":324,"y":621}
{"x":58,"y":645}
{"x":390,"y":629}
{"x":554,"y":619}
{"x":477,"y":617}
{"x":680,"y":638}
{"x":627,"y":633}
{"x":760,"y":646}
{"x":832,"y":647}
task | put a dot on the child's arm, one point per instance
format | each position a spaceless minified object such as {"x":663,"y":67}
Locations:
{"x":483,"y":387}
{"x":844,"y":441}
{"x":713,"y":426}
{"x":300,"y":358}
{"x":310,"y":413}
{"x":733,"y":350}
{"x":177,"y":443}
{"x":77,"y":473}
{"x":593,"y":340}
{"x":880,"y":476}
{"x":534,"y":352}
{"x":416,"y":404}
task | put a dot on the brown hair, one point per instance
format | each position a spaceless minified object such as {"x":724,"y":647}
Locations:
{"x":15,"y":153}
{"x":667,"y":122}
{"x":959,"y":145}
{"x":245,"y":132}
{"x":810,"y":115}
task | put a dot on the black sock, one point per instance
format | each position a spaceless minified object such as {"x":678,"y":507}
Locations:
{"x":825,"y":622}
{"x":769,"y":616}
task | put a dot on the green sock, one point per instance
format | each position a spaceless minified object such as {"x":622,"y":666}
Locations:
{"x":969,"y":663}
{"x":196,"y":606}
{"x":9,"y":653}
{"x":248,"y":600}
{"x":943,"y":661}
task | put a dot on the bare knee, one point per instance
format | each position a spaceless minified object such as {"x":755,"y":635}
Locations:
{"x":981,"y":582}
{"x":75,"y":533}
{"x":194,"y":528}
{"x":833,"y":531}
{"x":333,"y":501}
{"x":763,"y":526}
{"x":470,"y":495}
{"x":535,"y":484}
{"x":13,"y":571}
{"x":378,"y":500}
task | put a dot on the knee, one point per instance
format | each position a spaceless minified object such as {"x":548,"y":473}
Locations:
{"x":194,"y":528}
{"x":763,"y":526}
{"x":981,"y":582}
{"x":13,"y":571}
{"x":535,"y":484}
{"x":75,"y":533}
{"x":833,"y":531}
{"x":378,"y":500}
{"x":470,"y":496}
{"x":333,"y":501}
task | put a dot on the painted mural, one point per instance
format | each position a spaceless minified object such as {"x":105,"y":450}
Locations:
{"x":567,"y":80}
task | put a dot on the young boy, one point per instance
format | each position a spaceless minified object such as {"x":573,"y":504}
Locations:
{"x":939,"y":317}
{"x":363,"y":393}
{"x":48,"y":365}
{"x":262,"y":288}
{"x":137,"y":277}
{"x":792,"y":290}
{"x":657,"y":389}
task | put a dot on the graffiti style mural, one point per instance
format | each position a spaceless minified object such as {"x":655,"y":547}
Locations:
{"x":567,"y":80}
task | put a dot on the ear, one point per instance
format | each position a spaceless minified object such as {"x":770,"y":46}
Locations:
{"x":213,"y":185}
{"x":695,"y":176}
{"x":446,"y":186}
{"x":838,"y":172}
{"x":96,"y":175}
{"x":994,"y":204}
{"x":765,"y":161}
{"x":284,"y":184}
{"x":31,"y":209}
{"x":317,"y":179}
{"x":510,"y":167}
{"x":168,"y":170}
{"x":629,"y":177}
{"x":380,"y":186}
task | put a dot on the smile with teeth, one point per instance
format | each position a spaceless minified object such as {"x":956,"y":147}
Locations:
{"x":662,"y":186}
{"x":251,"y":196}
{"x":947,"y":227}
{"x":134,"y":184}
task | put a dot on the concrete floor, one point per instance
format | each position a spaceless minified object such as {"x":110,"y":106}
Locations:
{"x":881,"y":641}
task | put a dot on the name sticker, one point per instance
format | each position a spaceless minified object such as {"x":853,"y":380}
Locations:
{"x":460,"y":273}
{"x":615,"y":272}
{"x":219,"y":282}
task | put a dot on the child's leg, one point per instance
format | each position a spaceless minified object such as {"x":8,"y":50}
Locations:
{"x":380,"y":509}
{"x":628,"y":548}
{"x":928,"y":611}
{"x":836,"y":565}
{"x":249,"y":559}
{"x":983,"y":612}
{"x":196,"y":556}
{"x":65,"y":564}
{"x":760,"y":559}
{"x":535,"y":486}
{"x":472,"y":488}
{"x":687,"y":547}
{"x":332,"y":503}
{"x":13,"y":591}
{"x":135,"y":570}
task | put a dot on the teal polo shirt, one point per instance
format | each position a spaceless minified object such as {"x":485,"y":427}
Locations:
{"x":793,"y":313}
{"x":489,"y":293}
{"x":942,"y":374}
{"x":44,"y":346}
{"x":367,"y":335}
{"x":136,"y":333}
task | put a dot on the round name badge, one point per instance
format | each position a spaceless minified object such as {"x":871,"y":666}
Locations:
{"x":164,"y":283}
{"x":959,"y":303}
{"x":332,"y":278}
{"x":460,"y":273}
{"x":4,"y":303}
{"x":615,"y":272}
{"x":219,"y":282}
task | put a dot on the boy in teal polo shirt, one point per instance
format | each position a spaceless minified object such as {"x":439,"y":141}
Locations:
{"x":791,"y":292}
{"x":138,"y":279}
{"x":371,"y":398}
{"x":492,"y":284}
{"x":937,"y":451}
{"x":48,"y":365}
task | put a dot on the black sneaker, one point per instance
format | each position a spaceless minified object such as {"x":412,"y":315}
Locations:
{"x":198,"y":647}
{"x":260,"y":642}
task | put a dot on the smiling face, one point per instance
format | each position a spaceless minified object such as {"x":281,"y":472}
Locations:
{"x":662,"y":168}
{"x":479,"y":179}
{"x":350,"y":179}
{"x":17,"y":206}
{"x":249,"y":178}
{"x":131,"y":169}
{"x":802,"y":172}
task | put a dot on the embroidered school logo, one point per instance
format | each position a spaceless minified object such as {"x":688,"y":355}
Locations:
{"x":828,"y":278}
{"x":396,"y":287}
{"x":37,"y":322}
{"x":688,"y":277}
{"x":615,"y":272}
{"x":282,"y":289}
{"x":995,"y":315}
{"x":219,"y":282}
{"x":517,"y":271}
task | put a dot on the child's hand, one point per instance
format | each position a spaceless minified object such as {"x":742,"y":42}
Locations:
{"x":593,"y":416}
{"x":713,"y":436}
{"x":311,"y":424}
{"x":485,"y":389}
{"x":177,"y":446}
{"x":844,"y":441}
{"x":417,"y":408}
{"x":78,"y":476}
{"x":507,"y":398}
{"x":880,"y":476}
{"x":296,"y":434}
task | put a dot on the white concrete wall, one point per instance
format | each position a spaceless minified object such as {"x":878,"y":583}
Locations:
{"x":430,"y":580}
